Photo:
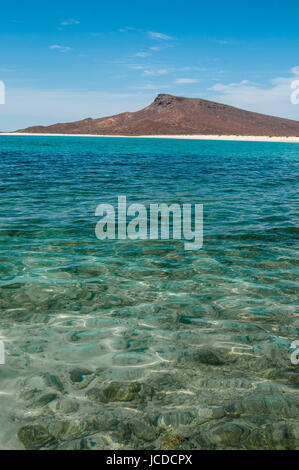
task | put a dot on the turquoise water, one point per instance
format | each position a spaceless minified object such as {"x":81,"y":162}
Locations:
{"x":141,"y":344}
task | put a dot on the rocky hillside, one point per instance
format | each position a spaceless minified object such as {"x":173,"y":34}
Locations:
{"x":171,"y":115}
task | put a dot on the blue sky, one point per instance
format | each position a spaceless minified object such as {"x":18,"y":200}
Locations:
{"x":66,"y":60}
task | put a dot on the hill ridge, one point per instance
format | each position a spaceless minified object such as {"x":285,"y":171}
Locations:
{"x":176,"y":115}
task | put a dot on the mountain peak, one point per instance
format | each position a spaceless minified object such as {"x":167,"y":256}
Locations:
{"x":163,"y":99}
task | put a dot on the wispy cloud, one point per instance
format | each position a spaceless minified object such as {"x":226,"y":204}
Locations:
{"x":156,"y":72}
{"x":69,"y":22}
{"x":155,"y":35}
{"x":127,"y":28}
{"x":186,"y":80}
{"x":223,"y":42}
{"x":60,"y":48}
{"x":192,"y":68}
{"x":148,"y":69}
{"x":272,"y":98}
{"x":141,"y":54}
{"x":136,"y":67}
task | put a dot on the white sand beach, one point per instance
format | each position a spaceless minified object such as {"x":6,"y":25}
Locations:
{"x":241,"y":138}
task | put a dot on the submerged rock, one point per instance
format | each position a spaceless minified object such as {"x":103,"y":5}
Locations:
{"x":122,"y":391}
{"x":45,"y":399}
{"x":76,"y":428}
{"x":36,"y":436}
{"x":229,"y":435}
{"x":260,"y":405}
{"x":29,"y":395}
{"x":78,"y":374}
{"x":81,"y":377}
{"x":54,"y":381}
{"x":67,"y":406}
{"x":207,"y":355}
{"x":210,"y":357}
{"x":143,"y":431}
{"x":251,"y":434}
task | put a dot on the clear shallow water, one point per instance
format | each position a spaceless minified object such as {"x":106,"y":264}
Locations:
{"x":141,"y":344}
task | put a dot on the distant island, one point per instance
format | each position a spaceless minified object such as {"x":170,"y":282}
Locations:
{"x":170,"y":115}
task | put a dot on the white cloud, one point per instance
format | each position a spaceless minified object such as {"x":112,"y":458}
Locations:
{"x":156,"y":72}
{"x":69,"y":22}
{"x":273,"y":99}
{"x":192,"y":68}
{"x":141,"y":54}
{"x":60,"y":48}
{"x":127,"y":28}
{"x":150,"y":70}
{"x":162,"y":36}
{"x":186,"y":80}
{"x":136,"y":67}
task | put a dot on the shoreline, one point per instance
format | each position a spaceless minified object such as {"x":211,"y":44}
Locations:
{"x":238,"y":138}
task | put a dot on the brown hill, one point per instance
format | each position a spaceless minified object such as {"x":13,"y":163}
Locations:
{"x":172,"y":115}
